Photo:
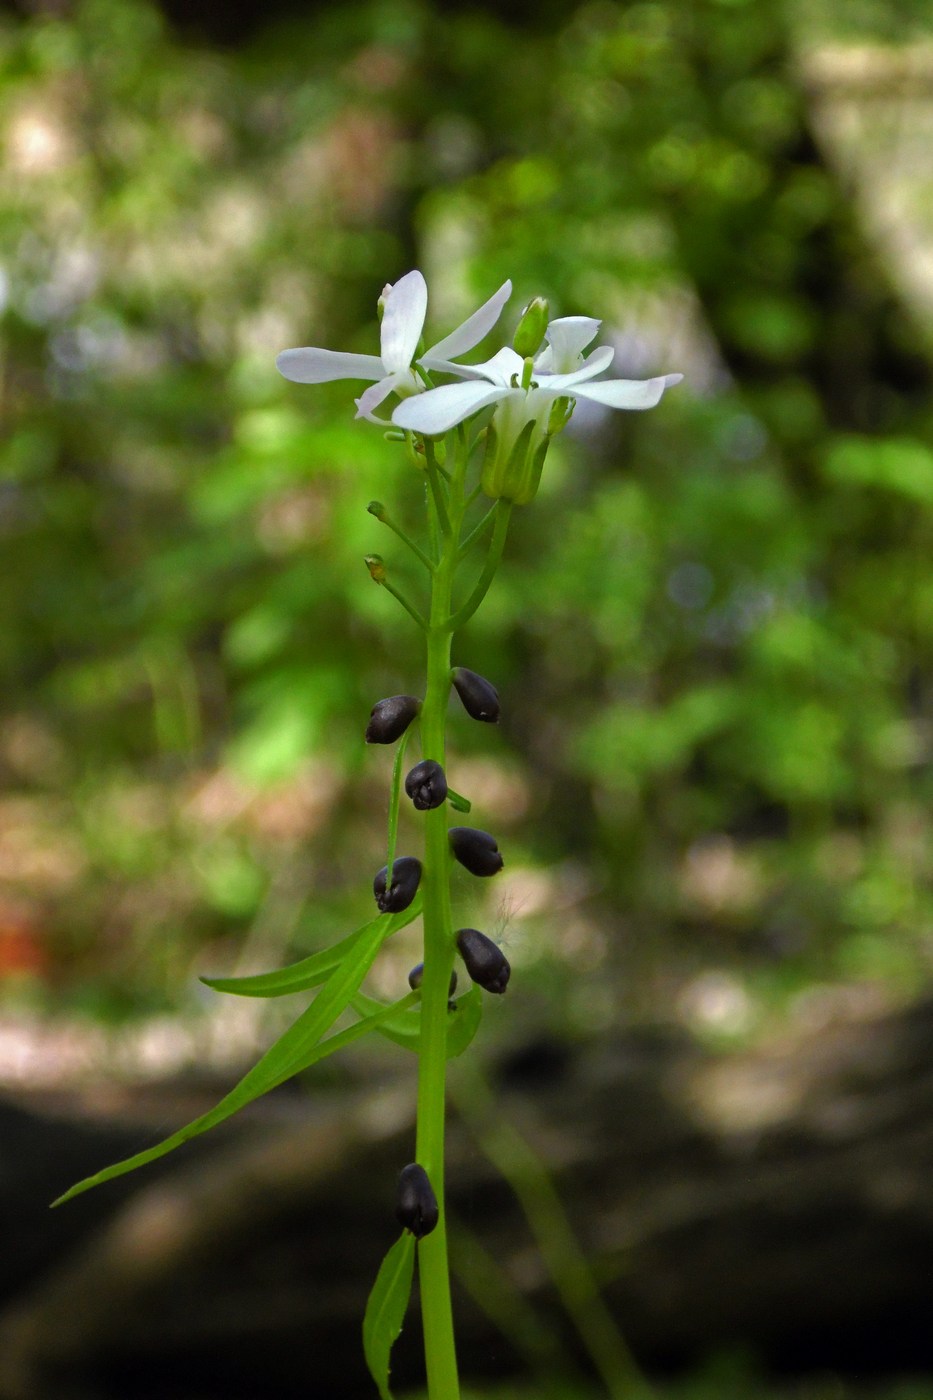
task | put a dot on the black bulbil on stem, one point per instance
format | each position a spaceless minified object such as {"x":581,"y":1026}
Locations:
{"x":406,"y":876}
{"x":476,"y":850}
{"x":485,"y":961}
{"x":479,"y":697}
{"x":426,"y":785}
{"x":390,"y":718}
{"x":416,"y":1203}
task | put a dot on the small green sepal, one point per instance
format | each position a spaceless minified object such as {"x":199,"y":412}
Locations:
{"x":514,"y":472}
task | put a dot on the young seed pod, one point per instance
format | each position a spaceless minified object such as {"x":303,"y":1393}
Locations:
{"x":476,"y":850}
{"x":485,"y":961}
{"x":406,"y":875}
{"x":416,"y":1203}
{"x":390,"y":718}
{"x":417,"y":974}
{"x":530,"y":330}
{"x":426,"y":785}
{"x":479,"y":696}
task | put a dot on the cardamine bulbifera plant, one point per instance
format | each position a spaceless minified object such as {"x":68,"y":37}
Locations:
{"x":470,"y":430}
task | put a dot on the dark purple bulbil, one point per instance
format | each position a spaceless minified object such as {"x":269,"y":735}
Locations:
{"x":390,"y":718}
{"x":485,"y":961}
{"x":416,"y":976}
{"x":476,"y":850}
{"x":406,"y":876}
{"x":416,"y":1203}
{"x":426,"y":785}
{"x":479,"y":696}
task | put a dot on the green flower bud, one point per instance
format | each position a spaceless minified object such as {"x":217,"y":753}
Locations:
{"x":530,"y":331}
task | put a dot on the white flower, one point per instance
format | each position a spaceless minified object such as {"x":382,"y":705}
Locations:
{"x":559,"y":372}
{"x":405,"y":305}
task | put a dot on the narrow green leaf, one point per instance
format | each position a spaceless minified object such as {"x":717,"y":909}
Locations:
{"x":404,"y":1026}
{"x":312,"y":971}
{"x":458,"y":801}
{"x":286,"y":1057}
{"x":356,"y":1032}
{"x":468,"y":1014}
{"x":385,"y":1311}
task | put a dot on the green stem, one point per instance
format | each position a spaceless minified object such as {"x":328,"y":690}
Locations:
{"x":437,"y":491}
{"x":493,"y":560}
{"x":407,"y":540}
{"x":437,"y":1315}
{"x":475,"y":534}
{"x":400,"y":597}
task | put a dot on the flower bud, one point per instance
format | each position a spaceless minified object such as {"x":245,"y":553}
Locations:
{"x":376,"y":566}
{"x":485,"y":961}
{"x":426,"y":785}
{"x":417,"y":973}
{"x":530,"y":330}
{"x":480,"y":697}
{"x":416,"y":1203}
{"x":406,"y":876}
{"x":476,"y":850}
{"x":389,"y":718}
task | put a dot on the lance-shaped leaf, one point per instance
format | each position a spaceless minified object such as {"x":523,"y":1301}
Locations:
{"x":404,"y":1026}
{"x":385,"y":1311}
{"x":364,"y":1026}
{"x":286,"y":1057}
{"x":311,"y":972}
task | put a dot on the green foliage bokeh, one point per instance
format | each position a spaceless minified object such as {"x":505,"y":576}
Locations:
{"x":713,"y":632}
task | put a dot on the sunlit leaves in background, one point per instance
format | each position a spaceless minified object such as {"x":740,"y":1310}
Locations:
{"x":714,"y":627}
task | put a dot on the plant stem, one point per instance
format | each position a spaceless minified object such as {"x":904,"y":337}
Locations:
{"x":437,"y":1316}
{"x":400,"y":597}
{"x":493,"y":560}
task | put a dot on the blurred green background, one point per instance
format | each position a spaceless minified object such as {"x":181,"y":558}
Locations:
{"x":714,"y":630}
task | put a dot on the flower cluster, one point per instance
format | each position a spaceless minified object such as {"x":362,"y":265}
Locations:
{"x":531,"y":387}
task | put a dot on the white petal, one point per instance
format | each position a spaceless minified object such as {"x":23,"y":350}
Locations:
{"x":437,"y":366}
{"x":567,"y":338}
{"x":371,"y":398}
{"x":593,"y":364}
{"x":628,"y":393}
{"x":403,"y":321}
{"x":472,"y":330}
{"x":312,"y":366}
{"x":440,"y":409}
